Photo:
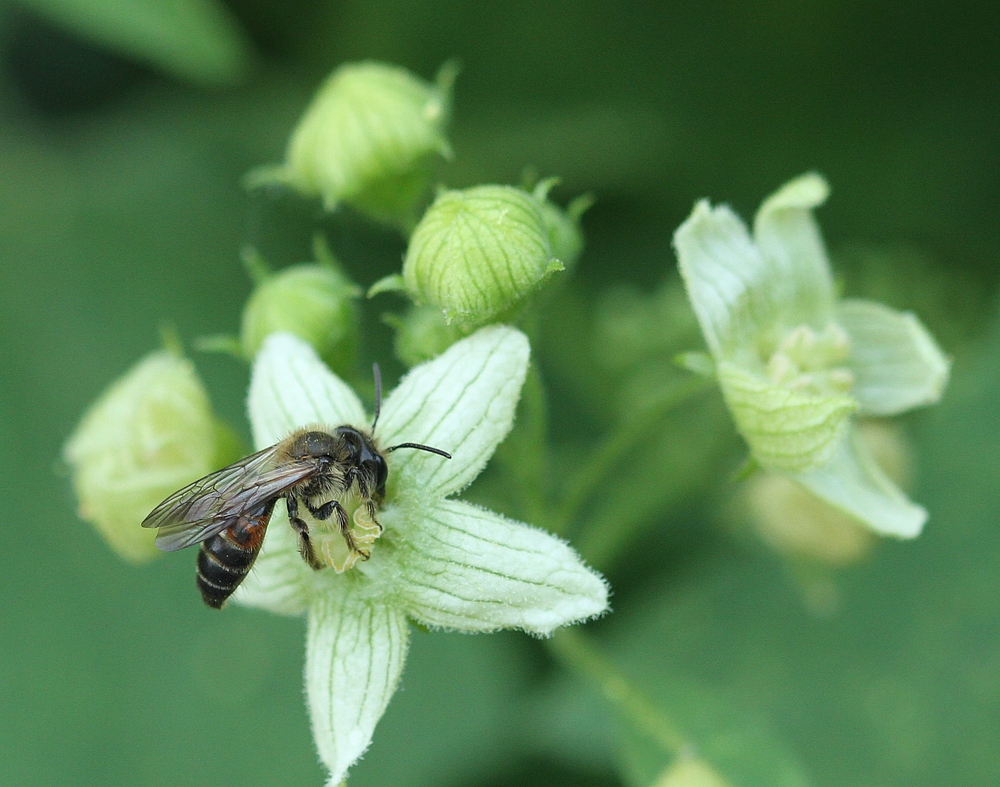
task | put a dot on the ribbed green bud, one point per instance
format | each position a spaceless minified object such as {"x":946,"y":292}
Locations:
{"x":422,"y":334}
{"x":476,"y":254}
{"x":313,"y":301}
{"x":148,"y":435}
{"x":369,"y":138}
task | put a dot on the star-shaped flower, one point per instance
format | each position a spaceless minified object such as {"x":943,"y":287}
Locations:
{"x":440,"y":562}
{"x":795,"y":364}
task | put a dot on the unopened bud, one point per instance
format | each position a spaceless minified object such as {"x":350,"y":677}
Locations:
{"x":148,"y":435}
{"x":476,"y":254}
{"x":316,"y":302}
{"x":369,"y":137}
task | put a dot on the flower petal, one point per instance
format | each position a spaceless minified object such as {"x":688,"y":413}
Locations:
{"x":461,"y":402}
{"x":896,"y":363}
{"x":853,"y":482}
{"x":790,"y":242}
{"x":786,"y":429}
{"x":354,"y":657}
{"x":730,"y":287}
{"x":291,"y":387}
{"x":279,"y":581}
{"x":466,"y":568}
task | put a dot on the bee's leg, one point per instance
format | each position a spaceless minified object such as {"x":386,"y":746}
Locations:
{"x":371,"y":513}
{"x":302,"y":529}
{"x":327,"y":510}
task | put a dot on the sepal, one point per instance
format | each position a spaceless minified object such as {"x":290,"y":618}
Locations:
{"x":786,"y":429}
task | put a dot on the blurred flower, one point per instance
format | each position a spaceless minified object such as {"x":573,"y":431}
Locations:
{"x":315,"y":301}
{"x":476,"y":254}
{"x":151,"y":433}
{"x":796,"y":365}
{"x":689,"y":771}
{"x":440,"y":562}
{"x":799,"y":525}
{"x":368,"y":139}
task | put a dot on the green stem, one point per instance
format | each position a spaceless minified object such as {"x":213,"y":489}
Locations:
{"x":255,"y":265}
{"x":525,"y":454}
{"x":606,"y":457}
{"x":171,"y":340}
{"x":575,"y":650}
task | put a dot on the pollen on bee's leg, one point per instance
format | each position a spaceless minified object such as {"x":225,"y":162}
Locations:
{"x":342,"y":549}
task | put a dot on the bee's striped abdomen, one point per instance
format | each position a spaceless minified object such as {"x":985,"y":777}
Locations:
{"x":227,"y":557}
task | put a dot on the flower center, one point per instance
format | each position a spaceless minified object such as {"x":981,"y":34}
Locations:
{"x":331,"y":546}
{"x":813,"y":362}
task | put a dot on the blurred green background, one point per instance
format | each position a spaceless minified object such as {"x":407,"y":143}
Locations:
{"x":124,"y":131}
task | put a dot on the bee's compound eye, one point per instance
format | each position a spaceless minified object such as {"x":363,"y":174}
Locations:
{"x":381,"y":473}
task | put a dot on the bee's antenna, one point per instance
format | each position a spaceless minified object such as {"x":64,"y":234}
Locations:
{"x":421,"y":447}
{"x":378,"y":408}
{"x":378,"y":394}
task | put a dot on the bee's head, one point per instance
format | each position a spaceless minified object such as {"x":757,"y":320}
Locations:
{"x":363,"y":460}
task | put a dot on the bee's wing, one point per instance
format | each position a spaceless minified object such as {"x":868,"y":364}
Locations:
{"x":215,"y":502}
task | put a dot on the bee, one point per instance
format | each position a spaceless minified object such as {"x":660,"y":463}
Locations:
{"x":228,"y":511}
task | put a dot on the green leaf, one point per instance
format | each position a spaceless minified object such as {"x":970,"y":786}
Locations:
{"x":787,"y":430}
{"x":789,"y":241}
{"x":896,"y":362}
{"x":195,"y":40}
{"x":853,"y":482}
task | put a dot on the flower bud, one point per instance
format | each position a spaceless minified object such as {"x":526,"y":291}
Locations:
{"x":148,"y":435}
{"x":369,"y":137}
{"x":421,"y":334}
{"x":313,"y":301}
{"x":476,"y":254}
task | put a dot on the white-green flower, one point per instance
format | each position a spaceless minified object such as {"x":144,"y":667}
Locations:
{"x":151,"y":432}
{"x":796,"y":365}
{"x":441,"y":562}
